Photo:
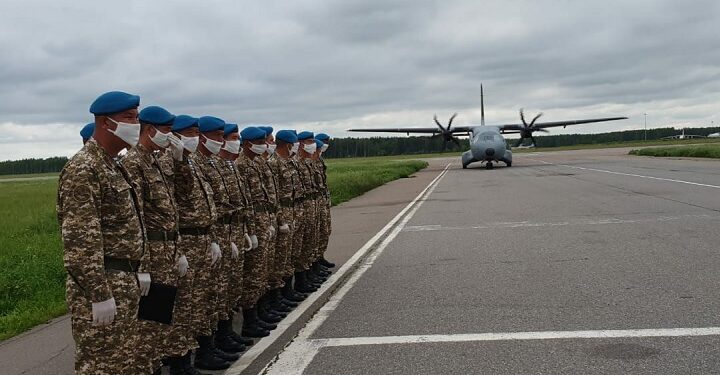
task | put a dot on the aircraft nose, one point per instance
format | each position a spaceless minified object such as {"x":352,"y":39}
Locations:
{"x":490,"y":152}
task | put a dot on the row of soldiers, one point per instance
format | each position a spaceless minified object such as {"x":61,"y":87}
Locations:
{"x":232,"y":222}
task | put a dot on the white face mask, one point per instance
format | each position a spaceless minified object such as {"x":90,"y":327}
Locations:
{"x":161,"y":139}
{"x":212,"y":146}
{"x":232,"y":147}
{"x":259,"y":149}
{"x":295,"y":148}
{"x":271,"y":148}
{"x":190,"y":143}
{"x":324,"y":147}
{"x":129,"y":133}
{"x":311,"y":148}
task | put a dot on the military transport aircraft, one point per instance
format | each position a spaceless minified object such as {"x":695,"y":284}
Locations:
{"x":487,"y":145}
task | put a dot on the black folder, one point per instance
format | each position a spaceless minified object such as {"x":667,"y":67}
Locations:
{"x":158,"y":305}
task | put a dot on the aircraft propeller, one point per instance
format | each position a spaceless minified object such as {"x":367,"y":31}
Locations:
{"x":446,"y":132}
{"x":528,"y":129}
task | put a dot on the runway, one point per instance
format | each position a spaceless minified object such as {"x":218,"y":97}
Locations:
{"x":568,"y":262}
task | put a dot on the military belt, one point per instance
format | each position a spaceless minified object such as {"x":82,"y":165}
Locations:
{"x":225,"y":219}
{"x":265,"y":207}
{"x":194,"y":231}
{"x":118,"y":264}
{"x":161,"y":236}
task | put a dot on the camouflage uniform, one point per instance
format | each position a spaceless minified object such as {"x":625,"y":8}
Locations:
{"x":296,"y":263}
{"x":310,"y":222}
{"x":197,"y":211}
{"x":287,"y":180}
{"x":270,"y":184}
{"x":220,"y":232}
{"x":241,"y":225}
{"x":324,"y":228}
{"x":151,"y":175}
{"x":255,"y":268}
{"x":104,"y":241}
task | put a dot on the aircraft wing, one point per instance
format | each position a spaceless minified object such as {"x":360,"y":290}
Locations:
{"x":435,"y":130}
{"x":541,"y":125}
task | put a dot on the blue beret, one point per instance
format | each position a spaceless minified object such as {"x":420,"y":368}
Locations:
{"x":156,"y":115}
{"x":210,"y":124}
{"x":319,"y":143}
{"x":230,"y":128}
{"x":114,"y":102}
{"x":286,"y":136}
{"x":305,"y":135}
{"x":183,"y":122}
{"x":87,"y":130}
{"x":267,"y":129}
{"x":323,"y":137}
{"x":252,"y":133}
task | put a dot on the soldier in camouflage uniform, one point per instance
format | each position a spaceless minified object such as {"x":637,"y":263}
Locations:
{"x":318,"y":273}
{"x":326,"y":221}
{"x":255,"y":267}
{"x":241,"y":228}
{"x":151,"y":175}
{"x":196,"y":206}
{"x":103,"y":241}
{"x":211,"y":141}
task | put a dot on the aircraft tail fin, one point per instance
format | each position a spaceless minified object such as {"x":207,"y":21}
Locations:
{"x":482,"y":106}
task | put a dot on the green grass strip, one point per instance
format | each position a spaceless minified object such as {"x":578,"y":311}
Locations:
{"x":694,"y":151}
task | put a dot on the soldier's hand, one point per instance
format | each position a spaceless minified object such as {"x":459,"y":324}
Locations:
{"x":254,"y":240}
{"x":284,"y":228}
{"x":176,"y":147}
{"x":271,"y":232}
{"x":215,"y":253}
{"x":248,"y":242}
{"x":182,"y":266}
{"x":144,"y":283}
{"x":103,"y":313}
{"x":235,"y":250}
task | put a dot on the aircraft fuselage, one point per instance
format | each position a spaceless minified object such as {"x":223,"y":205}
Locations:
{"x":487,"y":145}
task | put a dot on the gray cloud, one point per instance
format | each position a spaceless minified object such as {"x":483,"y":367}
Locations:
{"x":343,"y":63}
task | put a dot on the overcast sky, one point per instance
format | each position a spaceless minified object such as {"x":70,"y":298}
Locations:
{"x":332,"y":65}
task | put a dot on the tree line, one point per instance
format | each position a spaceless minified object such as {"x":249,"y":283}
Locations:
{"x":29,"y":166}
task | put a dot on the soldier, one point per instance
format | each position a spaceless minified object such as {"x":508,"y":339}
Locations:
{"x":327,"y":222}
{"x":87,"y":131}
{"x":255,"y":267}
{"x":305,"y":280}
{"x":287,"y":180}
{"x":152,"y":178}
{"x":241,"y":229}
{"x":198,"y":213}
{"x":318,"y":271}
{"x":103,"y":243}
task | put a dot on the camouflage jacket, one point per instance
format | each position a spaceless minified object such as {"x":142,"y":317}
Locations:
{"x":299,"y":190}
{"x":239,"y":194}
{"x":211,"y":170}
{"x":248,"y":168}
{"x":193,"y":194}
{"x":98,"y":215}
{"x":268,"y":180}
{"x":287,"y":181}
{"x":307,"y":174}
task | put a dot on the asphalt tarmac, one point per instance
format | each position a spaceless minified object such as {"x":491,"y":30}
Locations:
{"x":568,"y":262}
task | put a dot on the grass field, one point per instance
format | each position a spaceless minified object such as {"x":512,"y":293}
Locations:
{"x":32,"y":277}
{"x":691,"y":151}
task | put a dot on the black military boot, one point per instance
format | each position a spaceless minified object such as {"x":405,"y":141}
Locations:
{"x":223,"y":339}
{"x":238,"y":338}
{"x":226,"y":356}
{"x":276,"y":302}
{"x":289,"y":293}
{"x":265,"y":313}
{"x":176,"y":365}
{"x":186,"y":364}
{"x":301,"y":283}
{"x":326,"y":263}
{"x":250,"y":324}
{"x":205,"y":358}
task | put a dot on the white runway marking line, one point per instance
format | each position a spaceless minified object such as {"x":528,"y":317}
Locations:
{"x":518,"y":336}
{"x":528,"y":224}
{"x":299,"y":353}
{"x":631,"y":175}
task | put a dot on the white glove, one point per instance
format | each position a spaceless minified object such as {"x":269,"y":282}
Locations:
{"x":254,"y":240}
{"x":248,"y":242}
{"x":144,"y":282}
{"x":284,"y":228}
{"x":215,"y":253}
{"x":235,"y":251}
{"x":182,"y":266}
{"x":103,"y":313}
{"x":271,"y":232}
{"x":176,"y":147}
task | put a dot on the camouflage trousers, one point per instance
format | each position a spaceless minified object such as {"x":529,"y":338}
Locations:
{"x":236,"y":268}
{"x":163,"y":340}
{"x":254,"y":282}
{"x":202,"y":313}
{"x":221,"y":273}
{"x":296,"y":258}
{"x":310,"y":236}
{"x":110,"y":349}
{"x":283,"y":251}
{"x":324,"y":226}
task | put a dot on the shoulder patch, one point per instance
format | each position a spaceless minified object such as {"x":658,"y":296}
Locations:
{"x":82,"y":193}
